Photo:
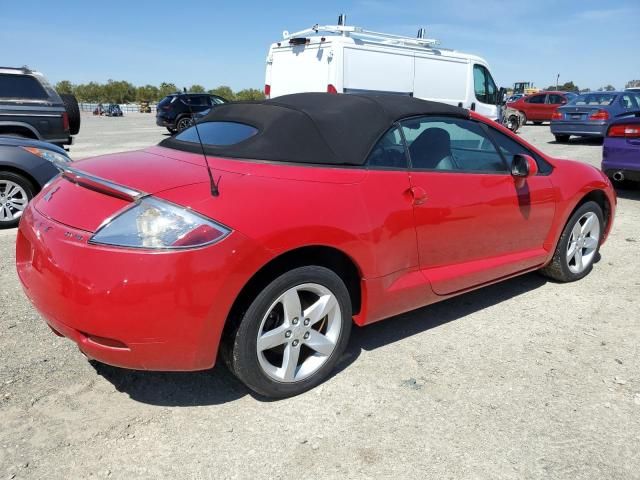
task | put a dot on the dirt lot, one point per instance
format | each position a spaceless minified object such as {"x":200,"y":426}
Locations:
{"x":525,"y":379}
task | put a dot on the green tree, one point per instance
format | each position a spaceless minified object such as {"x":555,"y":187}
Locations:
{"x":607,"y":88}
{"x":249,"y":94}
{"x":89,"y":92}
{"x":196,"y":89}
{"x":65,"y":86}
{"x":166,"y":89}
{"x":224,"y":92}
{"x":565,"y":87}
{"x":148,"y":93}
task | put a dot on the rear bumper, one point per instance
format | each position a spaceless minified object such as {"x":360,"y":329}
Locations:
{"x":132,"y":309}
{"x":633,"y":175}
{"x":579,"y":129}
{"x":164,"y":122}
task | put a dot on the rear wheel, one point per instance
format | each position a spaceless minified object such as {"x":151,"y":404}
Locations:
{"x":293,"y":333}
{"x":184,"y":122}
{"x":578,"y":245}
{"x":562,"y":138}
{"x":15,"y":192}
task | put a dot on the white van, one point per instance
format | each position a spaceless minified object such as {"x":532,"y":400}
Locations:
{"x":347,"y":59}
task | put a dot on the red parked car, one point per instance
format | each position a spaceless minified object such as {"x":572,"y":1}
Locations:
{"x":539,"y":107}
{"x":320,"y":211}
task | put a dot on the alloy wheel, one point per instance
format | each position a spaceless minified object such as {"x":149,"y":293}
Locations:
{"x":184,"y":123}
{"x":583,"y":242}
{"x":299,"y":333}
{"x":13,"y":201}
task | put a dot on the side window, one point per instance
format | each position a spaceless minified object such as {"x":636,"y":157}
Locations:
{"x":509,"y":147}
{"x":536,"y":99}
{"x":389,"y":152}
{"x":484,"y":86}
{"x":555,"y":99}
{"x":21,"y":86}
{"x":627,"y":102}
{"x":451,"y":144}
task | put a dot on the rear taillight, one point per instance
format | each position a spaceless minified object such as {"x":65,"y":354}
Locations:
{"x":267,"y":91}
{"x":629,"y":131}
{"x":599,"y":115}
{"x":65,"y":121}
{"x":557,"y":116}
{"x":331,"y":89}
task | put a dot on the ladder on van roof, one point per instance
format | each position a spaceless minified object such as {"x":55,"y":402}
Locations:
{"x":359,"y":32}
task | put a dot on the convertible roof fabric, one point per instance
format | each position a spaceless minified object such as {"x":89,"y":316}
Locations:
{"x":316,"y":128}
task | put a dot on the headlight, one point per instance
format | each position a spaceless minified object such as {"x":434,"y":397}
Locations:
{"x":47,"y":154}
{"x":156,"y":224}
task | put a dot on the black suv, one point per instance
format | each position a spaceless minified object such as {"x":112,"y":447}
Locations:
{"x":31,"y":108}
{"x":175,"y":111}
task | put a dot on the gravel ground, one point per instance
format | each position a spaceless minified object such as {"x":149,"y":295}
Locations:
{"x":524,"y":379}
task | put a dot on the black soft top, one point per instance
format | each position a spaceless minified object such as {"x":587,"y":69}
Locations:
{"x":318,"y":128}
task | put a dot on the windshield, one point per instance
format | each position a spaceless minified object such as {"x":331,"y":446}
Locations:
{"x":594,"y":99}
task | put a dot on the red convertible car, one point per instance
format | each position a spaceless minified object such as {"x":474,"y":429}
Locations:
{"x":261,"y":234}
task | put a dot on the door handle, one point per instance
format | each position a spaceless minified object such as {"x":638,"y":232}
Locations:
{"x":418,"y":195}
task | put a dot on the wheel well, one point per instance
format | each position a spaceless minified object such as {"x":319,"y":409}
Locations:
{"x":327,"y":257}
{"x":601,"y":199}
{"x":22,"y":173}
{"x":18,"y":130}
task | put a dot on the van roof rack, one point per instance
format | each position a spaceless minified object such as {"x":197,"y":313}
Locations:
{"x":359,"y":32}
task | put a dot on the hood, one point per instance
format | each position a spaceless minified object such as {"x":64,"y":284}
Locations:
{"x":26,"y":142}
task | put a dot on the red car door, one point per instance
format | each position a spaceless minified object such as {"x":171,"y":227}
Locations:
{"x":535,"y":109}
{"x":473,"y":224}
{"x":554,"y":100}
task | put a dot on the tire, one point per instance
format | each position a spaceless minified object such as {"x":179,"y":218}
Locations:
{"x":537,"y":123}
{"x":263,"y":371}
{"x":71,"y":106}
{"x":183,"y":123}
{"x":560,"y":268}
{"x":513,"y":123}
{"x":523,"y":117}
{"x":22,"y":192}
{"x":562,"y":138}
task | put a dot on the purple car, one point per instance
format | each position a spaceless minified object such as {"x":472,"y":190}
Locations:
{"x":621,"y":152}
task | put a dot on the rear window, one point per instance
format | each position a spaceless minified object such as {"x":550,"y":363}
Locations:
{"x":21,"y":86}
{"x":166,"y":101}
{"x":594,"y":99}
{"x":218,"y":133}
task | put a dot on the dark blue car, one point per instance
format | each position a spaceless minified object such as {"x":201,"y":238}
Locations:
{"x":590,"y":114}
{"x":25,"y":167}
{"x":621,"y":151}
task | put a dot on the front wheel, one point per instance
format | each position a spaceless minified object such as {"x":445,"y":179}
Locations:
{"x":15,"y":192}
{"x":293,"y":333}
{"x":578,"y":245}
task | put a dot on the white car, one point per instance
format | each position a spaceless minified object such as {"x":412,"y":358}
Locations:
{"x":348,"y":59}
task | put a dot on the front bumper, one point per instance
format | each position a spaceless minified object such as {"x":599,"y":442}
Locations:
{"x":583,"y":129}
{"x":133,"y":309}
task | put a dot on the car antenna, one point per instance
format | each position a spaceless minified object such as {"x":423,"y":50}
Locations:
{"x":215,"y":191}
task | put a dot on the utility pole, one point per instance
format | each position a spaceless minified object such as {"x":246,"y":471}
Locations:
{"x":557,"y":81}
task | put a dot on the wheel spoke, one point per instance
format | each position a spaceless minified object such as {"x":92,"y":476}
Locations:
{"x":572,"y":250}
{"x":320,"y":343}
{"x":272,"y":338}
{"x":19,"y":202}
{"x":290,"y":362}
{"x":5,"y":213}
{"x":578,"y":259}
{"x":576,"y":231}
{"x":291,"y":305}
{"x":11,"y":190}
{"x":590,"y":243}
{"x":320,"y":309}
{"x":588,"y":224}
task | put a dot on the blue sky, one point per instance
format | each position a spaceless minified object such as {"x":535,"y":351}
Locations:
{"x":593,"y":43}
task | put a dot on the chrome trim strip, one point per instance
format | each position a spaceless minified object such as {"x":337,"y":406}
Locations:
{"x":99,"y":184}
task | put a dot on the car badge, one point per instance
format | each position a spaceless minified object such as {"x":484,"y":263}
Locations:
{"x":47,"y":197}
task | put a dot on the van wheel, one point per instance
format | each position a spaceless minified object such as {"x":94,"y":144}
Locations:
{"x":15,"y":192}
{"x":293,"y":333}
{"x":578,"y":245}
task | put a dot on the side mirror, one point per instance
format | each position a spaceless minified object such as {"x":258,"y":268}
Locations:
{"x":502,"y":96}
{"x":523,"y":166}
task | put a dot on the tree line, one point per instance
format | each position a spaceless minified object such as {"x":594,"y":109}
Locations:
{"x":120,"y":91}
